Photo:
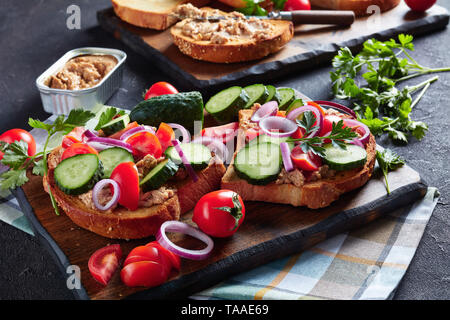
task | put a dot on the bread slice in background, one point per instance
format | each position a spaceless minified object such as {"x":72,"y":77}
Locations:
{"x":314,"y":195}
{"x":358,"y":6}
{"x":153,"y":14}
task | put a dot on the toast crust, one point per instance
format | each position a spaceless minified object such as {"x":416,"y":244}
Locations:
{"x":360,"y":7}
{"x":314,"y":195}
{"x":145,"y":18}
{"x":122,"y":223}
{"x":235,"y":51}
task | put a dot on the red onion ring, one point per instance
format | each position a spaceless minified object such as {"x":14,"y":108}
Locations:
{"x":358,"y":143}
{"x":3,"y":168}
{"x":287,"y":127}
{"x":337,"y":106}
{"x":286,"y":154}
{"x":98,"y":187}
{"x":355,"y":123}
{"x":184,"y":133}
{"x":177,"y":226}
{"x":215,"y":145}
{"x":294,"y":114}
{"x":266,"y":110}
{"x":124,"y":137}
{"x":185,"y":161}
{"x":100,"y":143}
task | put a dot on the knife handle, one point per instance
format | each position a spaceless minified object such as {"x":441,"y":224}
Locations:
{"x":342,"y":18}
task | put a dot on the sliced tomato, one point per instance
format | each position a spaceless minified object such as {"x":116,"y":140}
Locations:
{"x":144,"y":143}
{"x":104,"y":262}
{"x":149,"y":253}
{"x":126,"y":175}
{"x":13,"y":135}
{"x":305,"y":161}
{"x":129,"y":126}
{"x":328,"y":121}
{"x":143,"y":274}
{"x":74,"y":136}
{"x":159,"y":89}
{"x":77,"y":148}
{"x":174,"y":259}
{"x":225,"y":133}
{"x":281,"y":114}
{"x":165,"y":135}
{"x":252,"y":133}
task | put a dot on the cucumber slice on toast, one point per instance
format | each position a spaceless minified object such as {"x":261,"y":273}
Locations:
{"x":273,"y":94}
{"x":344,"y":159}
{"x":287,"y":97}
{"x":197,"y":154}
{"x":224,"y":106}
{"x":159,"y":175}
{"x":112,"y":157}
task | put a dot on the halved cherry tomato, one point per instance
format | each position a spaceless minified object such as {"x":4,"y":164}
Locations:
{"x":126,"y":175}
{"x":144,"y":143}
{"x":305,"y":161}
{"x":328,"y":121}
{"x":118,"y":134}
{"x":174,"y":259}
{"x":252,"y":133}
{"x":225,"y":132}
{"x":74,"y":136}
{"x":292,"y":5}
{"x":77,"y":148}
{"x":165,"y":135}
{"x":159,"y":89}
{"x":16,"y":135}
{"x":219,"y":213}
{"x":420,"y":5}
{"x":149,"y":253}
{"x":143,"y":274}
{"x":104,"y":262}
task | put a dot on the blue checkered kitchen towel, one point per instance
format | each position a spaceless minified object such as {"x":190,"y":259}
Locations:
{"x":367,"y":263}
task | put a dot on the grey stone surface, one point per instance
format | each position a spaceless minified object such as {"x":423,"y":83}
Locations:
{"x":33,"y":35}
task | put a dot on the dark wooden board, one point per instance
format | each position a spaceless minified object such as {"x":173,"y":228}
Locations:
{"x":311,"y":45}
{"x":270,"y":231}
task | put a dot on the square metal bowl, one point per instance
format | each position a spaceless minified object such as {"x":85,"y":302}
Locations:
{"x":61,"y":101}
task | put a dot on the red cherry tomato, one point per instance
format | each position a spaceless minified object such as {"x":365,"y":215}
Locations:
{"x":159,"y":89}
{"x":165,"y":135}
{"x":225,"y":133}
{"x":219,"y":213}
{"x":74,"y":136}
{"x":305,"y":161}
{"x":149,"y":253}
{"x":420,"y":5}
{"x":144,"y":143}
{"x":292,"y":5}
{"x":118,"y":134}
{"x":143,"y":274}
{"x":126,"y":175}
{"x":77,"y":148}
{"x":174,"y":259}
{"x":328,"y":121}
{"x":16,"y":135}
{"x":104,"y":262}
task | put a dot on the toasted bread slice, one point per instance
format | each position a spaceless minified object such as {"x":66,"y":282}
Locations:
{"x":236,"y":49}
{"x":122,"y":223}
{"x":360,"y":7}
{"x":153,"y":14}
{"x":315,"y":194}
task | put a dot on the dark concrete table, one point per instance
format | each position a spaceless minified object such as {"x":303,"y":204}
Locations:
{"x":33,"y":34}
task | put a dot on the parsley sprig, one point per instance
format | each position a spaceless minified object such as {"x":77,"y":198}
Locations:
{"x":339,"y":135}
{"x":370,"y":79}
{"x":388,"y":160}
{"x":16,"y":153}
{"x":259,"y":7}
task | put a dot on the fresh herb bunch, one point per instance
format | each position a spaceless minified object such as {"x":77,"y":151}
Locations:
{"x":339,"y":135}
{"x":16,"y":153}
{"x":369,"y":80}
{"x":259,"y":7}
{"x":388,"y":160}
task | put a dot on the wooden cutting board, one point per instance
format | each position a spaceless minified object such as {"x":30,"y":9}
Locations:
{"x":311,"y":45}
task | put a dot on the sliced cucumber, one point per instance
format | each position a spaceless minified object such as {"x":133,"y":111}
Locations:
{"x":265,"y":138}
{"x":159,"y":175}
{"x":287,"y":97}
{"x":297,"y":103}
{"x":273,"y":94}
{"x":344,"y":159}
{"x":259,"y":163}
{"x":225,"y":105}
{"x":112,"y":157}
{"x":116,"y":125}
{"x":78,"y":174}
{"x":258,"y":93}
{"x":197,"y":154}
